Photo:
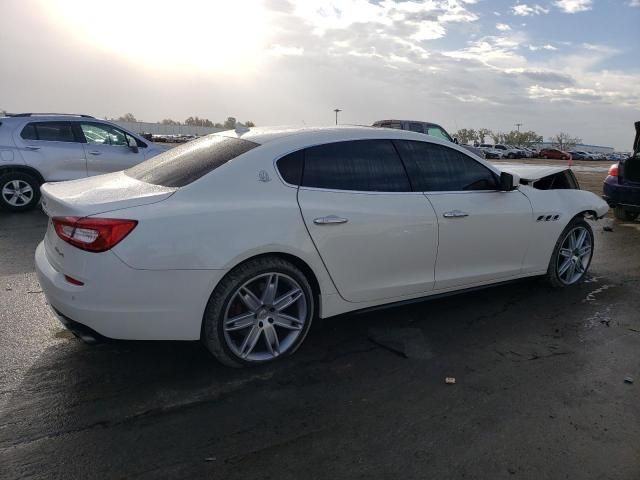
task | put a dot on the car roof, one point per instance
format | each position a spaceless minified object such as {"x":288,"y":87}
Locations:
{"x":310,"y":135}
{"x":50,"y":118}
{"x":409,"y":121}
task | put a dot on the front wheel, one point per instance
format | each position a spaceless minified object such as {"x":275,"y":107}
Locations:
{"x":19,"y":191}
{"x":260,"y":311}
{"x":572,"y":254}
{"x":623,"y":214}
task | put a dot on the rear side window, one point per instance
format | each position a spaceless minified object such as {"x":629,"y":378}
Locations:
{"x":290,"y":167}
{"x":184,"y":164}
{"x":360,"y":165}
{"x":416,"y":127}
{"x":49,"y":131}
{"x":435,"y":168}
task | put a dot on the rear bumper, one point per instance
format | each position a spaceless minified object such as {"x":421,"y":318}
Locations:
{"x":123,"y":303}
{"x":621,"y":195}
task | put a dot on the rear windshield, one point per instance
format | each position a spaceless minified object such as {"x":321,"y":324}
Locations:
{"x":184,"y":164}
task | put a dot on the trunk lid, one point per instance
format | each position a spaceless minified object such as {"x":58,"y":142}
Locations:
{"x":99,"y":194}
{"x":629,"y":168}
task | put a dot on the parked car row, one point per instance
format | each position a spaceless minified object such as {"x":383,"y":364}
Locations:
{"x":498,"y":151}
{"x":170,"y":138}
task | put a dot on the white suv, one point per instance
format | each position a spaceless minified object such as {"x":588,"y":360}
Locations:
{"x":39,"y":148}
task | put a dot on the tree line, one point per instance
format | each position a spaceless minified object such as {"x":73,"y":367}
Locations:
{"x":562,"y":140}
{"x":229,"y":124}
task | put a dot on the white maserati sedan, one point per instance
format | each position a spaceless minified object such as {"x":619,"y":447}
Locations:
{"x":242,"y":238}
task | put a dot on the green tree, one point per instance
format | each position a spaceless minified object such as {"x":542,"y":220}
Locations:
{"x":466,"y":135}
{"x":564,"y":141}
{"x":482,"y":134}
{"x":127,"y":117}
{"x":249,"y":123}
{"x":198,"y":122}
{"x":230,"y":123}
{"x":168,"y":121}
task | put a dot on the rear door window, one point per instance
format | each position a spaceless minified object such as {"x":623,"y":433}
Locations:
{"x":184,"y":164}
{"x":49,"y":132}
{"x":98,"y":134}
{"x":436,"y":168}
{"x":359,"y":165}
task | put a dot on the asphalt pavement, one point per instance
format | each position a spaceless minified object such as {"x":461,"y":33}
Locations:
{"x":540,"y":388}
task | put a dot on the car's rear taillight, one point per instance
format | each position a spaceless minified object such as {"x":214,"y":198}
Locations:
{"x":613,"y":170}
{"x":93,"y":234}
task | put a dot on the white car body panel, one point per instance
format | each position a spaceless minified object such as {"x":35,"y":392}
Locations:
{"x":489,"y":243}
{"x":387,"y":247}
{"x":157,"y":281}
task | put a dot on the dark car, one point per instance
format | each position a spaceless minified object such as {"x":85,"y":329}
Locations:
{"x":554,"y":154}
{"x":621,"y":188}
{"x":427,"y":128}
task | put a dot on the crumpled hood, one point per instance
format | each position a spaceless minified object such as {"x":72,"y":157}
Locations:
{"x":102,"y":193}
{"x":530,"y":173}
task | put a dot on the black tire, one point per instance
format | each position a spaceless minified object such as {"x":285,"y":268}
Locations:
{"x":7,"y":180}
{"x":213,"y":335}
{"x":623,"y":214}
{"x":552,"y":277}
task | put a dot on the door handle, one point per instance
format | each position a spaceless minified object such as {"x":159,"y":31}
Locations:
{"x":95,"y":152}
{"x":455,"y":214}
{"x":31,"y":147}
{"x":329,"y":220}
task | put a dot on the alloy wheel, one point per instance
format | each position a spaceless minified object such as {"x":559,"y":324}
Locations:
{"x":17,"y":193}
{"x":264,"y":317}
{"x":574,"y":255}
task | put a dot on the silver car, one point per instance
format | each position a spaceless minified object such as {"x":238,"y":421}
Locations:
{"x":38,"y":148}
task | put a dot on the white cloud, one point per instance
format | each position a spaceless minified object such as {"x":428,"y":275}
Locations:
{"x":524,"y":10}
{"x":503,"y":27}
{"x":634,"y":3}
{"x":535,"y":48}
{"x":280,"y":50}
{"x":573,"y":6}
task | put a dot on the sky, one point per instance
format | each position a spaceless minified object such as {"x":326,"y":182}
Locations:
{"x":552,"y":65}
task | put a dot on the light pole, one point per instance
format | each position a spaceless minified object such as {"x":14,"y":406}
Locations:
{"x":337,"y":110}
{"x":518,"y":125}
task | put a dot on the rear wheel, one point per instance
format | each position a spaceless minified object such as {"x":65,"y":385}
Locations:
{"x":19,"y":191}
{"x":623,"y":214}
{"x":260,"y":311}
{"x":572,"y":254}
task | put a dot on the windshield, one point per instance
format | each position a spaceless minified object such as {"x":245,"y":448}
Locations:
{"x":184,"y":164}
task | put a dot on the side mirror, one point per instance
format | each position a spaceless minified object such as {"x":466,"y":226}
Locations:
{"x":133,"y":144}
{"x":455,"y":140}
{"x":508,"y":182}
